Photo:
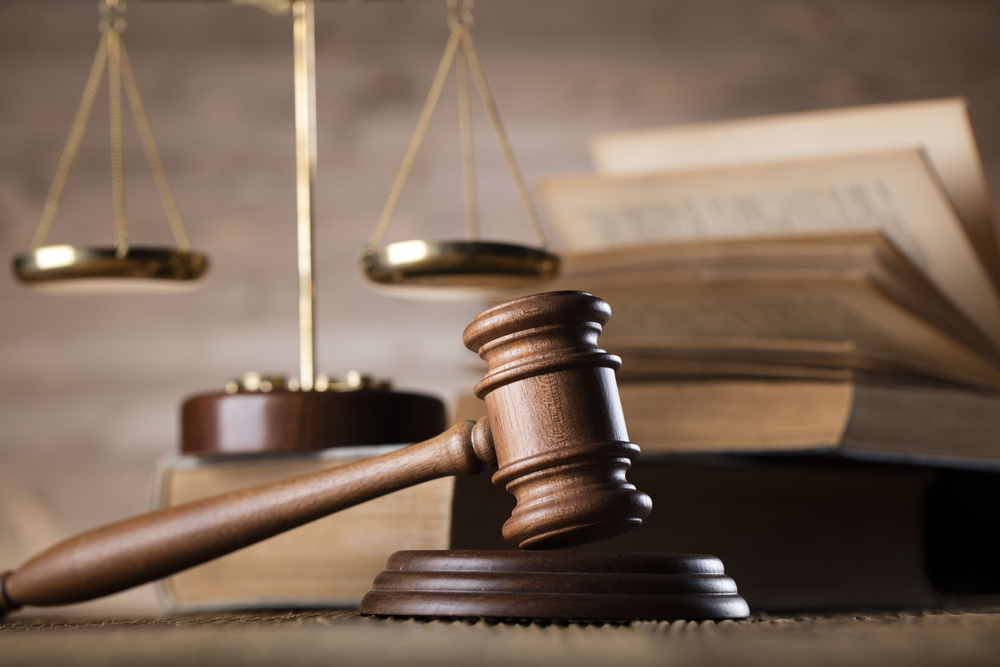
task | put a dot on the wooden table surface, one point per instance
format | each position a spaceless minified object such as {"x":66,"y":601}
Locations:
{"x":346,"y":638}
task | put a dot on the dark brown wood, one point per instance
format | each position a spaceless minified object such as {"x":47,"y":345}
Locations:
{"x":555,"y":584}
{"x":5,"y":604}
{"x":561,"y":446}
{"x":556,"y":420}
{"x":295,"y":421}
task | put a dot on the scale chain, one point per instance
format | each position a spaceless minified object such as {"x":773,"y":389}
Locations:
{"x":111,"y":53}
{"x":460,"y":20}
{"x":153,"y":155}
{"x":76,"y":132}
{"x":508,"y":154}
{"x":415,"y":140}
{"x":468,"y":154}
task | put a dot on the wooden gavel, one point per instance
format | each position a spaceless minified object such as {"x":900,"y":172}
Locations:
{"x":555,"y":430}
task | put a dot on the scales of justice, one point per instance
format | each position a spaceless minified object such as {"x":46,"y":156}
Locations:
{"x":554,"y":434}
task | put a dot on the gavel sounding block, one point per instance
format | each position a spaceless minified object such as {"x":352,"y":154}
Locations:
{"x":568,"y":585}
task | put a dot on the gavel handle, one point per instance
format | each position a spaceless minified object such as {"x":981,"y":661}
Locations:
{"x":154,"y":545}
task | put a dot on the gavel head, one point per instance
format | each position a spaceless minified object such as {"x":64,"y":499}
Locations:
{"x":556,"y":420}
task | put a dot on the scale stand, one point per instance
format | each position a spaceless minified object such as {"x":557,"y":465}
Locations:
{"x":310,"y":413}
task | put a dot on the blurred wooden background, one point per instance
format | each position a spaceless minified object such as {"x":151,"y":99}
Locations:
{"x":90,"y":387}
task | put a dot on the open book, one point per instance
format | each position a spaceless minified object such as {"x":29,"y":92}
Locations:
{"x":794,"y":256}
{"x":941,"y":129}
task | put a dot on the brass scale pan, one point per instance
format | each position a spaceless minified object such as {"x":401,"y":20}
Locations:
{"x":461,"y":265}
{"x":75,"y":269}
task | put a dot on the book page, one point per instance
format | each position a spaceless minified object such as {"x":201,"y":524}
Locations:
{"x":847,"y":314}
{"x":894,"y":193}
{"x":940,"y":127}
{"x":634,"y":369}
{"x":786,"y":257}
{"x":835,"y":251}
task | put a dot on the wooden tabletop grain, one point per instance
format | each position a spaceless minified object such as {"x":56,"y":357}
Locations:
{"x":346,"y":638}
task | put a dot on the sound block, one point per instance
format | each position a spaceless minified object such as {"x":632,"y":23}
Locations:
{"x":566,"y":585}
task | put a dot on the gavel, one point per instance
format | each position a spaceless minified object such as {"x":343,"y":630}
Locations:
{"x":554,"y":430}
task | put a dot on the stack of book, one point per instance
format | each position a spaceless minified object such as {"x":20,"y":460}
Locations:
{"x":821,"y":280}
